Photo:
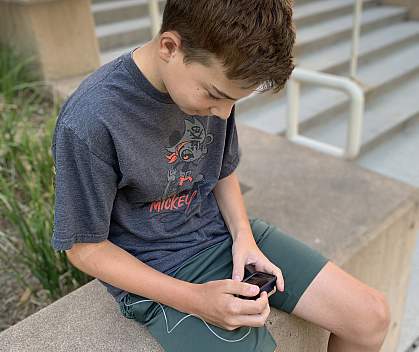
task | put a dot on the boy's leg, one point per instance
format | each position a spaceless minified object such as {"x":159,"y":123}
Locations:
{"x":175,"y":333}
{"x":317,"y":290}
{"x":357,"y":315}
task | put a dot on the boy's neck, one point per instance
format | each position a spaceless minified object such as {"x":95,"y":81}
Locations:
{"x":146,"y":59}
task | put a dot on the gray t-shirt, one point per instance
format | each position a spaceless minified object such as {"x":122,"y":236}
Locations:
{"x":132,"y":168}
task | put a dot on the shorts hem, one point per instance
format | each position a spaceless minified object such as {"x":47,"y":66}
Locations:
{"x":293,"y":299}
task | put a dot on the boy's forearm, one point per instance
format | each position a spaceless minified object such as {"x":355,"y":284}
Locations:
{"x":231,"y":203}
{"x":119,"y":268}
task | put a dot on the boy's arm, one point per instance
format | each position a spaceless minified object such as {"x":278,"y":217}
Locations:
{"x":230,"y":201}
{"x":112,"y":264}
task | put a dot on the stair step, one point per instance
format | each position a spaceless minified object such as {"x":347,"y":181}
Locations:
{"x":131,"y":31}
{"x":313,"y":37}
{"x":116,"y":11}
{"x":378,"y":77}
{"x":100,"y":1}
{"x":398,"y":157}
{"x":318,"y":11}
{"x":123,"y":33}
{"x":108,"y":56}
{"x":384,"y":116}
{"x":372,"y":45}
{"x":319,"y":105}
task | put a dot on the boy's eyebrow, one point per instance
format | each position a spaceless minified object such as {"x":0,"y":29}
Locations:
{"x":222,"y":93}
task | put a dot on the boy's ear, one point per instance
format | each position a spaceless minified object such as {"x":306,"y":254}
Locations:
{"x":169,"y":45}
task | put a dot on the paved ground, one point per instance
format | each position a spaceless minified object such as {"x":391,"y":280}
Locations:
{"x":410,"y":325}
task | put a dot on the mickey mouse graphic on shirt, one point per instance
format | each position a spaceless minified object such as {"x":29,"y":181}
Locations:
{"x":182,"y":157}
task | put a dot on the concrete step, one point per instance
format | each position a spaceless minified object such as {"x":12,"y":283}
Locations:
{"x":372,"y":45}
{"x":385,"y":116}
{"x":318,"y":11}
{"x":318,"y":105}
{"x":311,"y":38}
{"x":122,"y":10}
{"x":322,"y":104}
{"x":123,"y":33}
{"x":397,"y":158}
{"x":305,"y":12}
{"x":377,"y":78}
{"x":110,"y":55}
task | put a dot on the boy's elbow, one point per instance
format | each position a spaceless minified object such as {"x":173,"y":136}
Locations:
{"x":71,"y":254}
{"x":79,"y":252}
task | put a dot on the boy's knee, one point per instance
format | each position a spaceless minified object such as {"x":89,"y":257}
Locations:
{"x":375,"y":330}
{"x":383,"y":313}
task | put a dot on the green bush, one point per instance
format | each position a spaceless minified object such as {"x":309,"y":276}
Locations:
{"x":27,"y":121}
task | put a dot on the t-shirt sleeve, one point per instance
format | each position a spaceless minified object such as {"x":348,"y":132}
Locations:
{"x":85,"y":189}
{"x":231,"y":156}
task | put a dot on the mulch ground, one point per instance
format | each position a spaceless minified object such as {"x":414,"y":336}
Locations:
{"x":17,"y":302}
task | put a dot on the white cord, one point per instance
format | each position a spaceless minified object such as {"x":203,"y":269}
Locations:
{"x":167,"y":327}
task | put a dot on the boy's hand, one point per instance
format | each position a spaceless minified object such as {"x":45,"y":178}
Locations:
{"x":245,"y":251}
{"x":217,"y":305}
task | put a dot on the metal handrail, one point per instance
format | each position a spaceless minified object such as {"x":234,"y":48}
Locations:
{"x":154,"y":11}
{"x":353,"y":140}
{"x":356,"y":30}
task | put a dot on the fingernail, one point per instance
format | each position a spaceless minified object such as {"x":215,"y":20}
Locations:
{"x":255,"y":289}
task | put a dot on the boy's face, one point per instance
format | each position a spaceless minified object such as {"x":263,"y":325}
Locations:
{"x":195,"y":88}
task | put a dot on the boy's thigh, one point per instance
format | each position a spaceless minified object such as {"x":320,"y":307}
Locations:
{"x":341,"y":304}
{"x":193,"y":334}
{"x":175,"y":331}
{"x":299,"y":263}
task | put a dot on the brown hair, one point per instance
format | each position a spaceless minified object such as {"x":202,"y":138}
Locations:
{"x":252,"y":38}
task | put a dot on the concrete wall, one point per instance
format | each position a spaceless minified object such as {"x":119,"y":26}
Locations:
{"x":59,"y":33}
{"x":384,"y":263}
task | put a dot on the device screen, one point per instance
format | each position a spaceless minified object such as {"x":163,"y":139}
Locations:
{"x":259,"y":279}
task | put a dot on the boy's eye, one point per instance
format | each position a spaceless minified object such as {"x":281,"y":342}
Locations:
{"x":212,"y":97}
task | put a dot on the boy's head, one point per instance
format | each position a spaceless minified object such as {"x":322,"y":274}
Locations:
{"x":211,"y":47}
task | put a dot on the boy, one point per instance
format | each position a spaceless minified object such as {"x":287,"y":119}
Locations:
{"x":148,"y":202}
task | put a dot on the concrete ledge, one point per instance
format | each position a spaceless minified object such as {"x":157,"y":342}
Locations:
{"x":364,"y":221}
{"x":60,"y":34}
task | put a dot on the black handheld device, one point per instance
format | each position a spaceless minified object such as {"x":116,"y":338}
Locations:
{"x":265,"y":281}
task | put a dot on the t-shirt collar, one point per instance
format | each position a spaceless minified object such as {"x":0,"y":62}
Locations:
{"x":142,"y":81}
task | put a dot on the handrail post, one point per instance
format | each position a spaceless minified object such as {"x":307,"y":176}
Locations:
{"x":353,"y":140}
{"x":356,"y":30}
{"x":293,"y":96}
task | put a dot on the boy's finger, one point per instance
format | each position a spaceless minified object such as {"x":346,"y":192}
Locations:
{"x":243,"y":288}
{"x":250,"y":306}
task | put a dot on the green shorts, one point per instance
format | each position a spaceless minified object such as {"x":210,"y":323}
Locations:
{"x":299,"y":265}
